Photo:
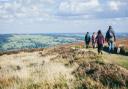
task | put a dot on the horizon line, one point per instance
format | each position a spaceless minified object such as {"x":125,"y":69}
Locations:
{"x":54,"y":33}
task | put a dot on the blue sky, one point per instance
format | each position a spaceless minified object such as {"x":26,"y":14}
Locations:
{"x":48,"y":16}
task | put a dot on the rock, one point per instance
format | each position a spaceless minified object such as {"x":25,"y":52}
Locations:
{"x":18,"y":67}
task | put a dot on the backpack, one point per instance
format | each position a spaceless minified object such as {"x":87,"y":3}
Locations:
{"x":93,"y":38}
{"x":87,"y":37}
{"x":100,"y":39}
{"x":110,"y":34}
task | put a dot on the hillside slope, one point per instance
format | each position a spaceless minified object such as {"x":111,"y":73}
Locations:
{"x":64,"y":67}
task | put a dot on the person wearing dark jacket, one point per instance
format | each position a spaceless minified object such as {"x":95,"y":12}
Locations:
{"x":87,"y":39}
{"x":100,"y":41}
{"x":110,"y":38}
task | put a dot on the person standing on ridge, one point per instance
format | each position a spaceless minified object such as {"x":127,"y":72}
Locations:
{"x":87,"y":39}
{"x":94,"y":40}
{"x":100,"y":41}
{"x":110,"y":38}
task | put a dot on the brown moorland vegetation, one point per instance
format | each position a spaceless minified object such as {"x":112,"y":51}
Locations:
{"x":63,"y":67}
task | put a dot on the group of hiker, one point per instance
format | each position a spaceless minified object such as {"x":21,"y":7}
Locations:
{"x":98,"y":40}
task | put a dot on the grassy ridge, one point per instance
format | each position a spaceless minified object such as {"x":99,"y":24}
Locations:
{"x":63,"y":67}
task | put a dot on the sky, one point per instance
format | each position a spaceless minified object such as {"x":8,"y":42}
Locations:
{"x":62,"y":16}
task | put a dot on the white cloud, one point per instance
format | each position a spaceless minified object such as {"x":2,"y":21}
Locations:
{"x":25,"y":9}
{"x":56,"y":9}
{"x":114,"y":5}
{"x":76,"y":6}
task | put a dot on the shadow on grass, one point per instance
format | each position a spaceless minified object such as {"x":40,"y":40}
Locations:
{"x":123,"y":51}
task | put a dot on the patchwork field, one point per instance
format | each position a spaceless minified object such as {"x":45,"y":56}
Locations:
{"x":26,"y":41}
